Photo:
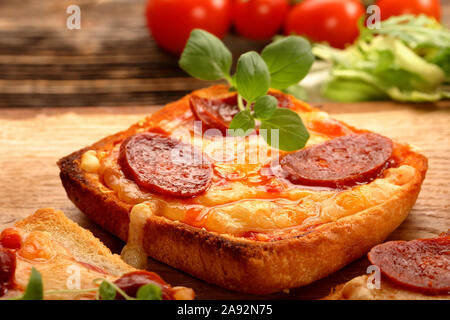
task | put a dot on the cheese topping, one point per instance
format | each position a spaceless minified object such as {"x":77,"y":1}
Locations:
{"x":90,"y":162}
{"x":133,"y":253}
{"x":246,"y":195}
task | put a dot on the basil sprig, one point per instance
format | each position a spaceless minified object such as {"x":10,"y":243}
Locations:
{"x":281,"y":65}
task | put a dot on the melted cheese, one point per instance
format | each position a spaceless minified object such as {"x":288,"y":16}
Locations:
{"x":241,"y":199}
{"x":133,"y":253}
{"x":90,"y":162}
{"x":244,"y":196}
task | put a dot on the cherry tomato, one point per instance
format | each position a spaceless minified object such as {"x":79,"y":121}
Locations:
{"x":259,"y":19}
{"x":171,"y":21}
{"x":10,"y":238}
{"x":333,"y":21}
{"x":390,"y":8}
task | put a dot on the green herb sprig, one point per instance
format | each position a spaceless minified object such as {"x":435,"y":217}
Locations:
{"x":106,"y":290}
{"x":281,"y":65}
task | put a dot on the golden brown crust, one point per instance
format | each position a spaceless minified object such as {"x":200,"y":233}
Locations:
{"x":105,"y":209}
{"x":237,"y":263}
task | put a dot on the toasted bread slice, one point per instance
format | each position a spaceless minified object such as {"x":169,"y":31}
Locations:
{"x":248,"y":233}
{"x":66,"y":255}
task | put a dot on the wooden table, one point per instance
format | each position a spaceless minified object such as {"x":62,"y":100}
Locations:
{"x":32,"y":140}
{"x":111,"y":63}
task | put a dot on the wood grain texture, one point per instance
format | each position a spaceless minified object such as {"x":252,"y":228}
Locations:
{"x":110,"y":61}
{"x":32,"y":140}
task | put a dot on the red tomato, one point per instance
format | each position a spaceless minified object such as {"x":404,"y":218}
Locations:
{"x":171,"y":21}
{"x":10,"y":238}
{"x":259,"y":19}
{"x":389,"y":8}
{"x":333,"y":21}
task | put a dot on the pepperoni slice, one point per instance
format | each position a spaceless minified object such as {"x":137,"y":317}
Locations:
{"x":7,"y":269}
{"x":131,"y":282}
{"x":340,"y":162}
{"x":218,"y":112}
{"x":215,"y":113}
{"x":165,"y":165}
{"x":422,"y":265}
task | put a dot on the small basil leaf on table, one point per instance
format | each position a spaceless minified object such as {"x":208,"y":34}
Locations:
{"x":205,"y":57}
{"x":252,"y":76}
{"x":265,"y":106}
{"x":292,"y":134}
{"x":149,"y":292}
{"x":242,"y":124}
{"x":35,"y":288}
{"x":289,"y":61}
{"x":107,"y":291}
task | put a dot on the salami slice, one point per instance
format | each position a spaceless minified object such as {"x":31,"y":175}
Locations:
{"x":339,"y":162}
{"x":165,"y":165}
{"x":7,"y":269}
{"x":215,"y":113}
{"x":421,"y":265}
{"x":218,"y":112}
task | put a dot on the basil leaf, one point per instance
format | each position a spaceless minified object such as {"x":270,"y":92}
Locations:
{"x":149,"y":292}
{"x":107,"y":291}
{"x":35,"y":288}
{"x":289,"y":60}
{"x":265,"y":106}
{"x":242,"y":124}
{"x":252,"y":76}
{"x":292,"y":134}
{"x":205,"y":57}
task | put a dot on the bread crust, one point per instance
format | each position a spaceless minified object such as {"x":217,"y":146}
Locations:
{"x":236,"y":263}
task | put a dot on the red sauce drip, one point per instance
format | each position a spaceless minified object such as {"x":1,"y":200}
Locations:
{"x":195,"y":217}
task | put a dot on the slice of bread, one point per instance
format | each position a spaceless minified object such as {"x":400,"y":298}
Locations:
{"x":61,"y":249}
{"x":307,"y":236}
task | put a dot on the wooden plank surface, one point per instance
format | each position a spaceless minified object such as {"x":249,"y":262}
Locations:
{"x":32,"y":140}
{"x":110,"y":61}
